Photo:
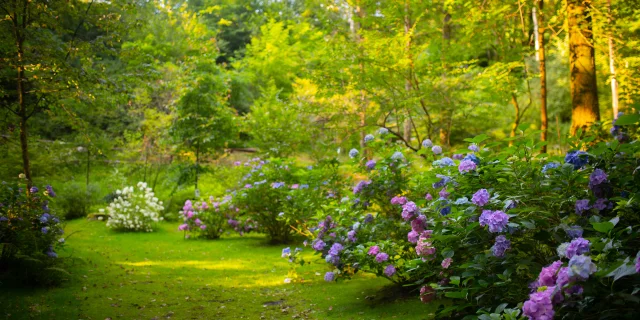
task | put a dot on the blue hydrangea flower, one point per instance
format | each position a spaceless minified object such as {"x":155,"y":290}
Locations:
{"x":577,"y":158}
{"x":333,"y":259}
{"x":481,"y":197}
{"x":383,"y":131}
{"x":473,"y":158}
{"x":397,"y":156}
{"x":286,"y":252}
{"x":329,"y":276}
{"x":351,"y":235}
{"x":461,"y":201}
{"x":353,"y":153}
{"x":444,"y":162}
{"x":368,"y":218}
{"x":368,"y":138}
{"x":474,"y":147}
{"x":574,"y":231}
{"x":582,"y":206}
{"x":50,"y":191}
{"x":370,"y":165}
{"x":33,"y":190}
{"x":443,"y":181}
{"x":335,"y":249}
{"x":426,"y":143}
{"x":581,"y":267}
{"x":436,"y":149}
{"x":550,"y":165}
{"x":577,"y":246}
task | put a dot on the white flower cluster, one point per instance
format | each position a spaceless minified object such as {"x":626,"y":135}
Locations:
{"x":134,"y":209}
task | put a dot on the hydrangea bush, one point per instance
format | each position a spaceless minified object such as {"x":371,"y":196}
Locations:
{"x":545,"y":235}
{"x":203,"y":220}
{"x":30,"y":232}
{"x":134,"y":209}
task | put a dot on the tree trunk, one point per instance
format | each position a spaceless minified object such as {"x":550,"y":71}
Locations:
{"x":24,"y":144}
{"x":407,"y":85}
{"x":612,"y":69}
{"x":584,"y":91}
{"x":539,"y":23}
{"x":444,"y":115}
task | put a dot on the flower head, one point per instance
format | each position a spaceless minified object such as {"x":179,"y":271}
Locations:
{"x":581,"y":267}
{"x":413,"y":236}
{"x":33,"y":190}
{"x":597,"y":177}
{"x":398,"y":200}
{"x":370,"y":165}
{"x":368,"y":138}
{"x":501,"y":245}
{"x":577,"y":158}
{"x":578,"y":246}
{"x":360,"y":186}
{"x":443,"y":193}
{"x":458,"y":156}
{"x":444,"y":162}
{"x":390,"y":270}
{"x":547,"y":275}
{"x":481,"y":197}
{"x":436,"y":149}
{"x":474,"y":147}
{"x":426,"y":143}
{"x":540,"y":305}
{"x":383,"y":131}
{"x":373,"y":250}
{"x":466,"y":166}
{"x":286,"y":252}
{"x":446,"y":263}
{"x":582,"y":206}
{"x":50,"y":191}
{"x":550,"y":165}
{"x":381,"y":257}
{"x":574,"y":231}
{"x":419,"y":223}
{"x":397,"y":156}
{"x":427,"y":294}
{"x":318,"y":245}
{"x":428,"y":197}
{"x":496,"y":220}
{"x":409,"y":209}
{"x":329,"y":276}
{"x":335,"y":249}
{"x":473,"y":158}
{"x":353,"y":153}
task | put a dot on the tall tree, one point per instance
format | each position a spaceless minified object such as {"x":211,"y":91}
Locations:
{"x":582,"y":64}
{"x":539,"y":28}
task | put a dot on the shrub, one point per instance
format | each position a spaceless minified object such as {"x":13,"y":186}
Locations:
{"x":29,"y":231}
{"x":135,"y":209}
{"x":202,"y":220}
{"x":76,"y":199}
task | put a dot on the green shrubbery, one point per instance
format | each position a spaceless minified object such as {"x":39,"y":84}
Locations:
{"x":29,"y":232}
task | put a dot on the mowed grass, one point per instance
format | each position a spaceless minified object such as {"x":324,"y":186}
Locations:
{"x":160,"y":275}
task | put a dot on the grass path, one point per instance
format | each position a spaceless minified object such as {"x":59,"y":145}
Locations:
{"x":161,"y":276}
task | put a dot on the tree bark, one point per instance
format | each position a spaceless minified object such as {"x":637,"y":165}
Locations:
{"x":612,"y":69}
{"x":407,"y":85}
{"x":22,"y":113}
{"x":584,"y":90}
{"x":516,"y":121}
{"x":444,"y":115}
{"x":539,"y":23}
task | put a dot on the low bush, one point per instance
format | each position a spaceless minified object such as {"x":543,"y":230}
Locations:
{"x":76,"y":200}
{"x":202,"y":220}
{"x":135,"y":209}
{"x":30,"y":232}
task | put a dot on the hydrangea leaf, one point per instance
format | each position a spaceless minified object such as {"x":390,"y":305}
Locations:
{"x":603,"y":227}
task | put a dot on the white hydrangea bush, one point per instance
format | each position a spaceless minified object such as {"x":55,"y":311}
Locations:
{"x":135,"y":209}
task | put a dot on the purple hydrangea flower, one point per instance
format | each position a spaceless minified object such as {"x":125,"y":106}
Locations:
{"x":466,"y":166}
{"x":397,"y":200}
{"x":50,"y":191}
{"x":183,"y":227}
{"x":419,"y":223}
{"x":203,"y":227}
{"x":4,"y":219}
{"x":581,"y":267}
{"x":373,"y":250}
{"x":458,"y":156}
{"x":424,"y":247}
{"x":578,"y":246}
{"x":496,"y":220}
{"x":446,"y":263}
{"x":371,"y":164}
{"x":474,"y":147}
{"x":351,"y":235}
{"x":582,"y":206}
{"x":332,"y":259}
{"x":329,"y":276}
{"x":481,"y":197}
{"x":574,"y":231}
{"x":473,"y":158}
{"x":413,"y":236}
{"x":539,"y":306}
{"x":428,"y":197}
{"x":368,"y":218}
{"x":436,"y":149}
{"x":335,"y":249}
{"x":45,"y":218}
{"x":45,"y":230}
{"x":563,"y":277}
{"x":501,"y":245}
{"x":600,"y":204}
{"x":33,"y":190}
{"x":390,"y":270}
{"x":443,"y":181}
{"x":597,"y":177}
{"x":443,"y":193}
{"x":382,"y":257}
{"x":51,"y":253}
{"x":409,"y":209}
{"x":577,"y":158}
{"x":638,"y":262}
{"x":547,"y":275}
{"x":360,"y":186}
{"x":318,"y":245}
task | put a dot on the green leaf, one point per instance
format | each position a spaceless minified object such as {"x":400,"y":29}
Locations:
{"x":480,"y":138}
{"x":455,"y":280}
{"x":603,"y":227}
{"x":457,"y":294}
{"x":629,"y":119}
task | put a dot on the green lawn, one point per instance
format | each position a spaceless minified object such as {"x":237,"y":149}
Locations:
{"x":161,"y":276}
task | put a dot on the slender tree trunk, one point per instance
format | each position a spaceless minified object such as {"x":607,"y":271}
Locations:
{"x":407,"y":85}
{"x":516,"y":121}
{"x":444,"y":115}
{"x":612,"y":69}
{"x":24,"y":143}
{"x":539,"y":25}
{"x":584,"y":90}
